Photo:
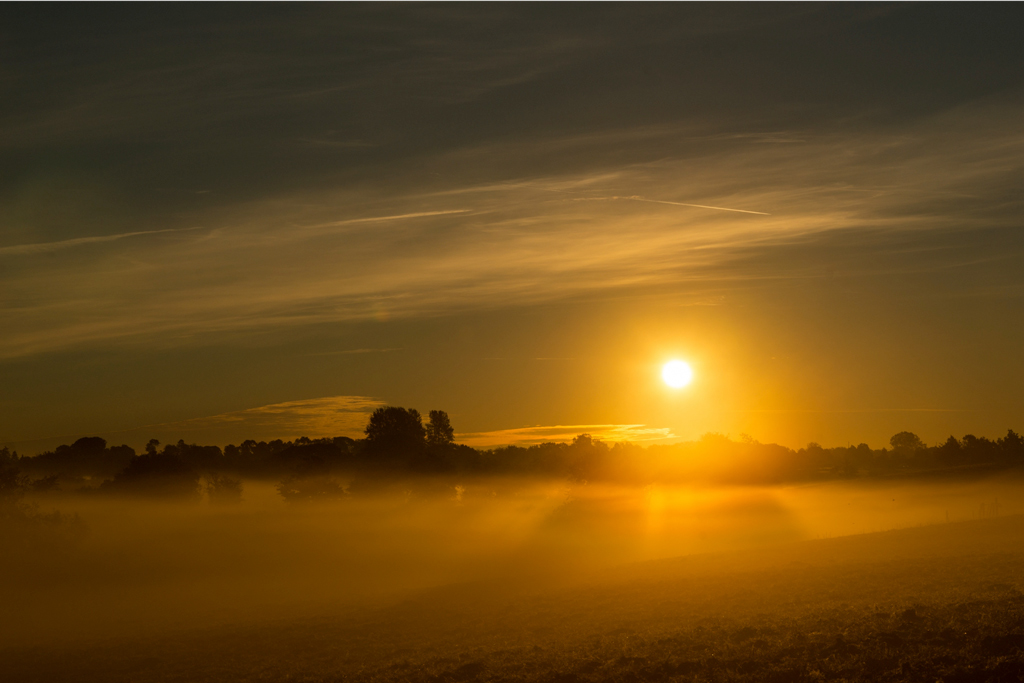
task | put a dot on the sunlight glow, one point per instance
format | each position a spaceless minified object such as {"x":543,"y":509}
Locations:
{"x":676,"y":374}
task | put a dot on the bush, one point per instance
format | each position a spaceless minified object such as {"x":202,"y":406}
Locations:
{"x":224,"y":490}
{"x":156,"y":474}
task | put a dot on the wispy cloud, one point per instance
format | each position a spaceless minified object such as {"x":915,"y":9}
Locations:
{"x":381,"y":219}
{"x":266,"y":266}
{"x":316,"y":417}
{"x":527,"y":436}
{"x":660,"y":201}
{"x":45,"y":247}
{"x":329,"y":416}
{"x":387,"y":61}
{"x":348,"y":352}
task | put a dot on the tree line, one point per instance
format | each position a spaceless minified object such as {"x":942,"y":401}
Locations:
{"x":397,"y":443}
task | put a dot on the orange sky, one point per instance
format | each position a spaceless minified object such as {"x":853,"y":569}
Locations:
{"x":275,"y":221}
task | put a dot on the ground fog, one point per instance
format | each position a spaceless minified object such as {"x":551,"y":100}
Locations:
{"x":140,"y":566}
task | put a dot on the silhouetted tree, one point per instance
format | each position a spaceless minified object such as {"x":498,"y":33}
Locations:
{"x":395,"y":431}
{"x":950,"y":453}
{"x":46,"y":484}
{"x":1012,"y":446}
{"x":201,"y":458}
{"x":314,"y":457}
{"x":221,"y":489}
{"x":398,"y":443}
{"x":22,"y":525}
{"x":978,"y":449}
{"x":90,"y":443}
{"x":153,"y":473}
{"x":906,"y":446}
{"x":8,"y":457}
{"x":86,"y":457}
{"x":439,"y":429}
{"x":906,"y":442}
{"x":12,"y":483}
{"x":585,"y":457}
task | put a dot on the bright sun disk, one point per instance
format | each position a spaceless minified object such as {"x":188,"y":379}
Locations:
{"x":676,"y":374}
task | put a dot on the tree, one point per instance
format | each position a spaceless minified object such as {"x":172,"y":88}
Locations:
{"x":950,"y":453}
{"x":89,"y":443}
{"x":1012,"y":445}
{"x":586,"y":456}
{"x":395,"y":431}
{"x":978,"y":449}
{"x":12,"y":484}
{"x":222,"y":489}
{"x":155,"y":473}
{"x":8,"y":457}
{"x":439,"y":429}
{"x":906,"y":441}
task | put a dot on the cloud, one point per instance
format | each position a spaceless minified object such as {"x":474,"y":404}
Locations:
{"x":528,"y":436}
{"x":380,"y":219}
{"x":353,"y":62}
{"x":659,"y":201}
{"x":45,"y":247}
{"x":278,"y":265}
{"x":316,"y":418}
{"x":347,"y":352}
{"x":332,"y":416}
{"x":329,"y":416}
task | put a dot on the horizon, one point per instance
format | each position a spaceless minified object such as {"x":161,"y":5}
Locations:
{"x":195,"y":428}
{"x":490,"y":342}
{"x":448,"y":207}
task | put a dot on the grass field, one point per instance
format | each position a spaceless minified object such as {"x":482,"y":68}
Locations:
{"x":940,"y":602}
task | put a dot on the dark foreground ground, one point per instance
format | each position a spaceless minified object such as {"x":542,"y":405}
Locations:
{"x":939,"y":603}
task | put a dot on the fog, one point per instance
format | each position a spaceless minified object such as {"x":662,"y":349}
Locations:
{"x":140,"y":566}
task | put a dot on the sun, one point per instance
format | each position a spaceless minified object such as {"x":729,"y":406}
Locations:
{"x":676,"y":374}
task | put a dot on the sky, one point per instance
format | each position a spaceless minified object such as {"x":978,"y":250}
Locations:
{"x":263,"y":221}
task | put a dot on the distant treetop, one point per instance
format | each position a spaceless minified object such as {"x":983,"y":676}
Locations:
{"x":439,"y":429}
{"x":907,"y":441}
{"x":393,"y":430}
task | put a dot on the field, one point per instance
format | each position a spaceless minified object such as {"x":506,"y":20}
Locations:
{"x":932,"y":602}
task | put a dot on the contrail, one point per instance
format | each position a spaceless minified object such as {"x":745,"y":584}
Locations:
{"x":698,"y":206}
{"x":351,"y":351}
{"x":661,"y":201}
{"x":77,"y":241}
{"x":376,"y":219}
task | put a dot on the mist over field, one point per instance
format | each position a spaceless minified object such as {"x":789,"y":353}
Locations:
{"x":414,"y":535}
{"x":713,"y":310}
{"x":502,"y":578}
{"x":148,"y":566}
